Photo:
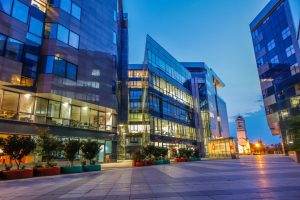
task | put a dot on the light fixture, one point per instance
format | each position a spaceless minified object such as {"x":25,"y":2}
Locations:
{"x":27,"y":96}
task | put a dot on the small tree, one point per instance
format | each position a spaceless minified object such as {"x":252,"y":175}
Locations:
{"x":71,"y":148}
{"x":17,"y":147}
{"x":90,"y":150}
{"x":48,"y":146}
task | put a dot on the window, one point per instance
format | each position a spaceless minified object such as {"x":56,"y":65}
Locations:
{"x":40,"y":4}
{"x":290,"y":51}
{"x":65,"y":5}
{"x":271,"y":45}
{"x":59,"y":67}
{"x":41,"y":106}
{"x":85,"y":115}
{"x":14,"y":49}
{"x":10,"y":101}
{"x":35,"y":30}
{"x":74,"y":40}
{"x":50,"y":30}
{"x":53,"y":109}
{"x":48,"y":63}
{"x":20,"y":11}
{"x":114,"y":38}
{"x":96,"y":72}
{"x":71,"y":71}
{"x":75,"y":113}
{"x":260,"y":62}
{"x":76,"y":11}
{"x":275,"y":60}
{"x":26,"y":103}
{"x":2,"y":43}
{"x":5,"y":6}
{"x":115,"y":15}
{"x":286,"y":33}
{"x":65,"y":110}
{"x":62,"y":34}
{"x":36,"y":26}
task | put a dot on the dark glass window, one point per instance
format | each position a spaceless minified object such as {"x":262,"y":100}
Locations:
{"x":48,"y":64}
{"x":74,"y":40}
{"x":59,"y":67}
{"x":76,"y":11}
{"x":2,"y":43}
{"x":14,"y":49}
{"x":62,"y":34}
{"x":36,"y":26}
{"x":5,"y":6}
{"x":71,"y":71}
{"x":65,"y":5}
{"x":20,"y":11}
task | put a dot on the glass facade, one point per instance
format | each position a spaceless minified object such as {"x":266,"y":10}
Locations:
{"x":274,"y":34}
{"x":62,"y":71}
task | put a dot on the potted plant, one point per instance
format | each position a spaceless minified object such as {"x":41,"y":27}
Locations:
{"x":48,"y":147}
{"x":148,"y":153}
{"x":90,"y":149}
{"x":138,"y":157}
{"x":71,"y":149}
{"x":17,"y":147}
{"x":196,"y":155}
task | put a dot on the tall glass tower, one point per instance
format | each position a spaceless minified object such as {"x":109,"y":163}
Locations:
{"x":275,"y":35}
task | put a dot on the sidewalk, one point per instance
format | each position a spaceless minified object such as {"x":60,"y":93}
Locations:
{"x":119,"y":164}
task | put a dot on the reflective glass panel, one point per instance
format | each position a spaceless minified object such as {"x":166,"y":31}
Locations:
{"x":59,"y":67}
{"x":62,"y":34}
{"x":74,"y":40}
{"x":5,"y":6}
{"x":20,"y":11}
{"x":10,"y":101}
{"x":65,"y":5}
{"x":76,"y":11}
{"x":2,"y":43}
{"x":26,"y":103}
{"x":36,"y":26}
{"x":14,"y":49}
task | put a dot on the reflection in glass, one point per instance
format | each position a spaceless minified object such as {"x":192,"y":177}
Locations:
{"x":26,"y":103}
{"x":20,"y":11}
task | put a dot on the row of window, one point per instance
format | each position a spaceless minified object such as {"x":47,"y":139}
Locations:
{"x":15,"y":8}
{"x":60,"y":67}
{"x":11,"y":48}
{"x":167,"y":88}
{"x":67,"y":6}
{"x":168,"y":128}
{"x":137,"y":74}
{"x":289,"y":51}
{"x":25,"y":107}
{"x":58,"y":31}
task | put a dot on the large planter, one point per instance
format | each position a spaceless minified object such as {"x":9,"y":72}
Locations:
{"x":295,"y":155}
{"x":148,"y":162}
{"x":16,"y":174}
{"x":137,"y":163}
{"x":91,"y":168}
{"x":162,"y":162}
{"x":71,"y":170}
{"x":46,"y":171}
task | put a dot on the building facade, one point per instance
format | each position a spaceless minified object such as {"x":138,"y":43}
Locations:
{"x":275,"y":35}
{"x":242,"y":136}
{"x":58,"y":68}
{"x":160,"y":102}
{"x":212,"y":108}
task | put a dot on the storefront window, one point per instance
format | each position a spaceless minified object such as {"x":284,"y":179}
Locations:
{"x":41,"y":106}
{"x":75,"y":113}
{"x":26,"y":103}
{"x":108,"y":147}
{"x":85,"y":116}
{"x":53,"y":109}
{"x":94,"y":118}
{"x":10,"y":101}
{"x":108,"y":121}
{"x":102,"y":121}
{"x":65,"y":110}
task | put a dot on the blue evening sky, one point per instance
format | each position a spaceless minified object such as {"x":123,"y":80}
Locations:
{"x":213,"y":31}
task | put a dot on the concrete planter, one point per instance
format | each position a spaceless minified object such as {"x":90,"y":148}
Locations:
{"x":47,"y":171}
{"x":16,"y":174}
{"x":295,"y":155}
{"x":91,"y":168}
{"x":71,"y":170}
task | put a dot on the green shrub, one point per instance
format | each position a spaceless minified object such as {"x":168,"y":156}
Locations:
{"x":48,"y":146}
{"x":71,"y":148}
{"x":90,"y":149}
{"x":17,"y":147}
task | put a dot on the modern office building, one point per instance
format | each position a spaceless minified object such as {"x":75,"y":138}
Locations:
{"x":160,"y":102}
{"x":242,"y":136}
{"x":212,"y":108}
{"x":58,"y":68}
{"x":275,"y":34}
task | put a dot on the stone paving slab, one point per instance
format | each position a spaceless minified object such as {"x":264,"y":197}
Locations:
{"x":252,"y":177}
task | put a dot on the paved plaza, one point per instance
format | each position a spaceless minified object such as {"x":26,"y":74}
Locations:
{"x":253,"y":177}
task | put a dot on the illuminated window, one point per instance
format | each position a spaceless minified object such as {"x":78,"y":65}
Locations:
{"x":271,"y":45}
{"x":40,"y":4}
{"x":286,"y":33}
{"x":290,"y":51}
